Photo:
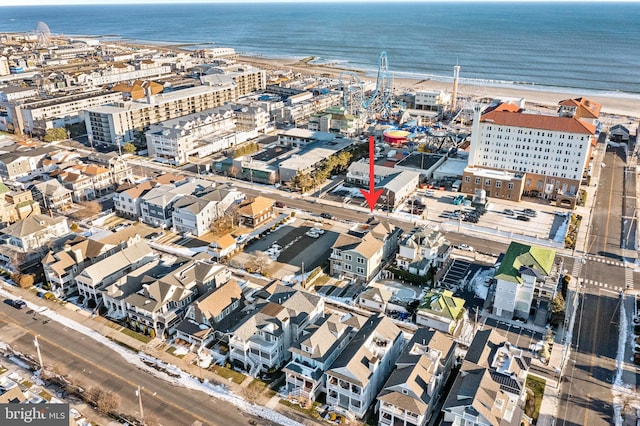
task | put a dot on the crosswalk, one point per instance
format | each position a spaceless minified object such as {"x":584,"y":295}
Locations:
{"x":602,"y":259}
{"x":601,"y":284}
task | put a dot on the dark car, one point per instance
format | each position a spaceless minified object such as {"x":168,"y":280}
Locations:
{"x":523,"y":218}
{"x":280,"y":204}
{"x":326,"y":215}
{"x":18,"y":304}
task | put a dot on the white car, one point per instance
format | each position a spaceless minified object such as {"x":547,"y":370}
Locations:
{"x":312,"y":234}
{"x":317,"y":231}
{"x":465,"y":247}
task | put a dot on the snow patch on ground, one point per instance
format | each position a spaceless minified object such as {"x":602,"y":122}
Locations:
{"x":176,"y":376}
{"x":480,"y":284}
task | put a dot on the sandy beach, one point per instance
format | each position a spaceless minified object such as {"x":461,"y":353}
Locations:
{"x":614,"y":109}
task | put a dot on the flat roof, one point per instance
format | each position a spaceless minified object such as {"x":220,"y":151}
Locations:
{"x":489,"y":173}
{"x":420,"y":160}
{"x":452,"y":167}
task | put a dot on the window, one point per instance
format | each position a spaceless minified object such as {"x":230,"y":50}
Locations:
{"x":347,"y":257}
{"x":487,"y":182}
{"x":361,"y":260}
{"x":360,"y":270}
{"x":477,"y":181}
{"x":510,"y":186}
{"x":498,"y":184}
{"x":467,"y":179}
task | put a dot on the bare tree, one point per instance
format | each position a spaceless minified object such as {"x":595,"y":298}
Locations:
{"x":105,"y":401}
{"x":259,"y":262}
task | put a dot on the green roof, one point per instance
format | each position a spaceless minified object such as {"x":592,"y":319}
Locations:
{"x":3,"y":188}
{"x":442,"y":303}
{"x":519,"y":256}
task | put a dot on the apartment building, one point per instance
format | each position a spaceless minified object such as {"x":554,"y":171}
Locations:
{"x":312,"y":355}
{"x":359,"y":372}
{"x":410,"y":395}
{"x":550,"y":153}
{"x":527,"y":277}
{"x":432,"y":100}
{"x":120,"y":122}
{"x":117,"y":72}
{"x":37,"y":116}
{"x":179,"y":139}
{"x":246,"y":79}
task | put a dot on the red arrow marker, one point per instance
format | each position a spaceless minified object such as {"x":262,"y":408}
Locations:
{"x":371,"y":195}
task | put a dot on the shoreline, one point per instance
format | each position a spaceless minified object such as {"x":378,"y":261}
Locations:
{"x":618,"y":108}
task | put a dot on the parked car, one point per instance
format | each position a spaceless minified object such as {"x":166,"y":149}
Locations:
{"x":529,"y":212}
{"x":465,"y":247}
{"x":18,"y":304}
{"x":326,"y":215}
{"x":508,"y":212}
{"x":523,"y":218}
{"x":280,"y":204}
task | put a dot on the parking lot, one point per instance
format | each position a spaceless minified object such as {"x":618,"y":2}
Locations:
{"x":294,"y":244}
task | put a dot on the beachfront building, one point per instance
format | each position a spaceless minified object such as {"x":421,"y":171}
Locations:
{"x":245,"y":78}
{"x":544,"y":156}
{"x":358,"y":373}
{"x":432,"y":100}
{"x":120,"y":122}
{"x":527,"y":277}
{"x":122,"y":71}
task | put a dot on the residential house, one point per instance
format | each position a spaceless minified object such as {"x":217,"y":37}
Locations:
{"x":62,"y":264}
{"x":360,"y":254}
{"x":203,"y":317}
{"x":156,"y":207}
{"x":16,"y":204}
{"x":222,"y":246}
{"x":81,"y":185}
{"x":441,"y":310}
{"x":358,"y":373}
{"x":422,"y":249}
{"x":255,"y":212}
{"x":94,"y":278}
{"x":34,"y":232}
{"x":52,"y":195}
{"x":22,"y":161}
{"x":410,"y":395}
{"x":526,"y":278}
{"x":262,"y":339}
{"x":119,"y":168}
{"x":490,"y":387}
{"x":128,"y":200}
{"x":313,"y":353}
{"x":375,"y":298}
{"x":161,"y":303}
{"x":197,"y":213}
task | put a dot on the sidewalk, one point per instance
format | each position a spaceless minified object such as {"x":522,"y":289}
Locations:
{"x":154,"y":349}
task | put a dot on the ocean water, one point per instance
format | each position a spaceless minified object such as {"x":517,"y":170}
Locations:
{"x":581,"y":47}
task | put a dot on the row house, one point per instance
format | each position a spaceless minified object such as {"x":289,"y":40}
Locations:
{"x":156,"y":208}
{"x":410,"y":395}
{"x":105,"y":272}
{"x":61,"y":265}
{"x":196,"y":213}
{"x":205,"y":319}
{"x":490,"y":387}
{"x":527,"y":277}
{"x":262,"y":339}
{"x":441,"y":310}
{"x":312,"y":355}
{"x":21,"y":163}
{"x":358,"y":373}
{"x":422,"y":249}
{"x":161,"y":302}
{"x":34,"y":232}
{"x":119,"y":168}
{"x":361,"y":254}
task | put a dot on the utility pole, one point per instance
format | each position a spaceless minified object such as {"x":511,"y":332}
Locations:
{"x":139,"y":395}
{"x":37,"y":345}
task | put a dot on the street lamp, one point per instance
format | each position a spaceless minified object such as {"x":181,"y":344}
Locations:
{"x":139,"y":395}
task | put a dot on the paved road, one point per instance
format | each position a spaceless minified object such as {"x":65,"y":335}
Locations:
{"x":93,"y":364}
{"x":606,"y":224}
{"x":586,"y":397}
